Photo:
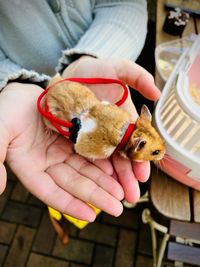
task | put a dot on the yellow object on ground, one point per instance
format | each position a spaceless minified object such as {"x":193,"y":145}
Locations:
{"x":78,"y":223}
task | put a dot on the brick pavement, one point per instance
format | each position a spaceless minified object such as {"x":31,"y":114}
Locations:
{"x":28,"y":239}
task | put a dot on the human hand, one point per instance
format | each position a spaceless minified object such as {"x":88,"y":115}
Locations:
{"x":134,"y":76}
{"x":46,"y":163}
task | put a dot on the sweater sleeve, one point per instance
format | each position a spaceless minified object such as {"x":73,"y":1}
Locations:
{"x":10,"y":71}
{"x":118,"y":30}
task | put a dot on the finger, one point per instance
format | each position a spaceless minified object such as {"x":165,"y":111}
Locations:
{"x":85,"y":189}
{"x":104,"y":164}
{"x":115,"y":176}
{"x":87,"y":169}
{"x":138,"y":78}
{"x":127,"y":178}
{"x":3,"y":178}
{"x":43,"y":187}
{"x":4,"y":141}
{"x":67,"y":147}
{"x":141,"y":170}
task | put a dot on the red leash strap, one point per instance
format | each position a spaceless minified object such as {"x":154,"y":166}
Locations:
{"x":57,"y":123}
{"x":126,"y":136}
{"x":102,"y":81}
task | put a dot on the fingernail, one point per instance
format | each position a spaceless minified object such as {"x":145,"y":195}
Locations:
{"x":119,"y":211}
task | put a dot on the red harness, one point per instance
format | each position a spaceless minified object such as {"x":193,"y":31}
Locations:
{"x":58,"y":123}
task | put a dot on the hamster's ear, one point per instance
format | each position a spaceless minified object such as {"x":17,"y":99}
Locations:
{"x":134,"y":145}
{"x":145,"y":116}
{"x":145,"y":113}
{"x":55,"y":79}
{"x":139,"y":144}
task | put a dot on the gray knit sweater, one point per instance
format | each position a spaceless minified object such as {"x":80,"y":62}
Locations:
{"x":41,"y":37}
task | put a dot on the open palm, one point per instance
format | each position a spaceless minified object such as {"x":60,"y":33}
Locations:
{"x":46,"y":163}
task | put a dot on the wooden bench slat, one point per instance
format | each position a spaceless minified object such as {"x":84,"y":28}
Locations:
{"x":185,"y":229}
{"x":183,"y":253}
{"x":196,"y":205}
{"x":169,"y":197}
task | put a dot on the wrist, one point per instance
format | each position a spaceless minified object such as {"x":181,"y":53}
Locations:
{"x":71,"y":69}
{"x":13,"y":85}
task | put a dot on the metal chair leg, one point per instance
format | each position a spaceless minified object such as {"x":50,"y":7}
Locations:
{"x":154,"y":226}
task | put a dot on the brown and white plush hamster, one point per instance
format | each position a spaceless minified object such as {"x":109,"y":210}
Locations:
{"x":101,"y":125}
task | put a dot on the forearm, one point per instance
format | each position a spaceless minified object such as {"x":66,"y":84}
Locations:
{"x":118,"y":30}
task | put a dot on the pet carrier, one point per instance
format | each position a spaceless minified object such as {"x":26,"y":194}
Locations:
{"x":177,"y":118}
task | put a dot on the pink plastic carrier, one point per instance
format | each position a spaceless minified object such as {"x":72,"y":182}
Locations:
{"x":177,"y":118}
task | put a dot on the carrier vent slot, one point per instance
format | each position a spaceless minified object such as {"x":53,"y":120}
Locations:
{"x":186,"y":134}
{"x":192,"y":138}
{"x":196,"y":149}
{"x":178,"y":121}
{"x":166,"y":107}
{"x":171,"y":113}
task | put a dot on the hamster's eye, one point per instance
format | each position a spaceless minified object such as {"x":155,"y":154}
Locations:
{"x":156,"y":152}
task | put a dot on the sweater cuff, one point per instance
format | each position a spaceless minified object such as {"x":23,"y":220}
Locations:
{"x":70,"y":55}
{"x":10,"y":72}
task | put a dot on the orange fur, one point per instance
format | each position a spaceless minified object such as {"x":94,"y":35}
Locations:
{"x":68,"y":100}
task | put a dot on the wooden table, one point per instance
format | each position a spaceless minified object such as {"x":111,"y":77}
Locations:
{"x":177,"y":202}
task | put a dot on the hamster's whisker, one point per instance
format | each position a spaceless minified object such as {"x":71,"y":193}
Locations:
{"x":168,"y":159}
{"x":159,"y":164}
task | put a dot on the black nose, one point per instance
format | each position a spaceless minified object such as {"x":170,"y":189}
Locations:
{"x":156,"y":152}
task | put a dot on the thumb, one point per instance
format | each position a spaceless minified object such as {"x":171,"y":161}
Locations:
{"x":4,"y":141}
{"x":138,"y":78}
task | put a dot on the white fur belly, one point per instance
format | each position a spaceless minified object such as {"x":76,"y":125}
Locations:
{"x":88,"y":125}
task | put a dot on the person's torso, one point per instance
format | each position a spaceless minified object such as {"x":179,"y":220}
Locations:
{"x":34,"y":33}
